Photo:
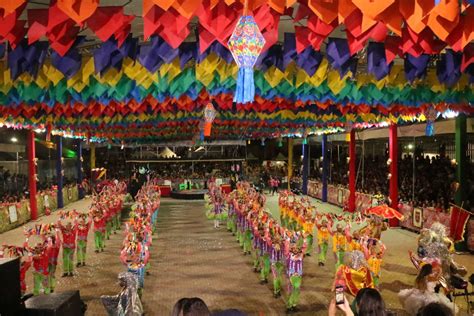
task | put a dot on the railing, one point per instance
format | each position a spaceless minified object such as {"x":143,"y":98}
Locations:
{"x":16,"y":214}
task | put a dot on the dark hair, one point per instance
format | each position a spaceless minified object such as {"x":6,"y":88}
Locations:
{"x":420,"y":281}
{"x":195,"y":307}
{"x":435,"y":309}
{"x":370,"y":303}
{"x":178,"y":307}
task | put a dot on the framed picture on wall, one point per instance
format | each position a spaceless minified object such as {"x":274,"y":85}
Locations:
{"x":418,"y":217}
{"x":340,"y":197}
{"x":12,"y":213}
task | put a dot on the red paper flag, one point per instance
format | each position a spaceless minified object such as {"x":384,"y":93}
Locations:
{"x":109,"y":21}
{"x":11,"y":28}
{"x":459,"y":218}
{"x":78,"y":10}
{"x":38,"y":24}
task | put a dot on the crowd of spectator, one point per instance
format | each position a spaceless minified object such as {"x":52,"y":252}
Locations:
{"x":14,"y":186}
{"x":428,"y":181}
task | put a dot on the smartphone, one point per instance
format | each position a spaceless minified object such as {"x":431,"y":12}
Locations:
{"x":339,"y":295}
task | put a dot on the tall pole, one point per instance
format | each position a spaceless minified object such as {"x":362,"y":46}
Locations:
{"x":414,"y":171}
{"x":79,"y":169}
{"x":393,"y":154}
{"x":460,"y":142}
{"x":352,"y":172}
{"x":32,"y":174}
{"x":324,"y":144}
{"x":92,"y":147}
{"x":290,"y":161}
{"x":59,"y":170}
{"x":304,"y":189}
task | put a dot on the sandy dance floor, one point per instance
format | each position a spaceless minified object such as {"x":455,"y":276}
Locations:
{"x":191,"y":258}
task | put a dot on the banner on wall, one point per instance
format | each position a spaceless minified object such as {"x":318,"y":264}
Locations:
{"x":457,"y":225}
{"x":418,"y":218}
{"x":12,"y":212}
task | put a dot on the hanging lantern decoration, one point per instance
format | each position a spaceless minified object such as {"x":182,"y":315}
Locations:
{"x":209,"y":116}
{"x":280,"y":142}
{"x":431,"y":114}
{"x":262,"y":141}
{"x":245,"y":44}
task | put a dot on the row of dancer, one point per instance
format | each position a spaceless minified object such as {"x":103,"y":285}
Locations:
{"x":44,"y":242}
{"x":140,"y":227}
{"x":277,"y":252}
{"x":336,"y":229}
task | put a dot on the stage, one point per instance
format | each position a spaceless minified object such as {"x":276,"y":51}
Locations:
{"x":188,"y":194}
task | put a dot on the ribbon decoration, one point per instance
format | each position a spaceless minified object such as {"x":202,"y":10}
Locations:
{"x":245,"y":44}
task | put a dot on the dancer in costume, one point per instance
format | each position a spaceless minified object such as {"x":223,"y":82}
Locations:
{"x":435,"y":246}
{"x":99,"y":229}
{"x":83,"y":226}
{"x":127,"y":302}
{"x":323,"y":240}
{"x":54,"y":245}
{"x":277,"y":264}
{"x":294,"y":263}
{"x":424,"y":291}
{"x":339,"y":244}
{"x":26,"y":260}
{"x":353,"y":274}
{"x":374,"y":250}
{"x":40,"y":265}
{"x":69,"y":234}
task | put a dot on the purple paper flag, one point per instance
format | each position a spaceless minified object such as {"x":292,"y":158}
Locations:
{"x":70,"y":63}
{"x":415,"y":67}
{"x":289,"y":49}
{"x":309,"y":60}
{"x":448,"y":69}
{"x":27,"y":58}
{"x":339,"y":56}
{"x":377,"y":61}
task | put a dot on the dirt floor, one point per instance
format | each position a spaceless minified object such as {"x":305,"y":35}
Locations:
{"x":191,"y":258}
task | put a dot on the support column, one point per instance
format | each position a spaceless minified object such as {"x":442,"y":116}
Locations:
{"x":352,"y":172}
{"x":290,"y":161}
{"x":59,"y":170}
{"x":325,"y":168}
{"x":460,"y":143}
{"x":79,"y":169}
{"x":305,"y":152}
{"x":393,"y":154}
{"x":32,"y":174}
{"x":92,"y":147}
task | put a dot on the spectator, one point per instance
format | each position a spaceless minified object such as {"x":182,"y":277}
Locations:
{"x":190,"y":307}
{"x":435,"y":309}
{"x":368,"y":302}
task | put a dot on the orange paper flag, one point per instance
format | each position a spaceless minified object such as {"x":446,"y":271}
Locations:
{"x":78,"y":10}
{"x":415,"y":13}
{"x":325,"y":10}
{"x":443,"y":18}
{"x":9,"y":6}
